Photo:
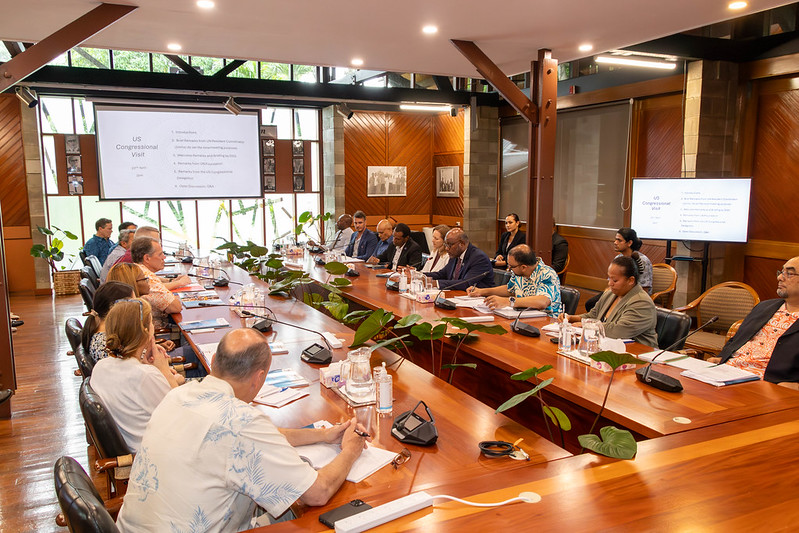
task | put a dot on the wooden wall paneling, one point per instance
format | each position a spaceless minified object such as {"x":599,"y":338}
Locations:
{"x":284,"y":178}
{"x":659,"y":138}
{"x":410,"y":144}
{"x":14,"y":192}
{"x":448,"y":133}
{"x":448,"y":146}
{"x":365,"y":145}
{"x":775,"y":167}
{"x":761,"y":274}
{"x":451,"y":207}
{"x":590,"y":257}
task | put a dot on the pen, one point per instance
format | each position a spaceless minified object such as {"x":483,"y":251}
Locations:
{"x":362,"y":434}
{"x":676,"y":358}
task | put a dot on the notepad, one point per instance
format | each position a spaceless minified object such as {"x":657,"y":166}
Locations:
{"x":721,"y":375}
{"x":204,"y":324}
{"x":278,"y":396}
{"x":370,"y":461}
{"x":511,"y":313}
{"x":285,"y":377}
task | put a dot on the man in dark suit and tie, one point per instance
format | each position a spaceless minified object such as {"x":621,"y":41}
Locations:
{"x":363,"y":242}
{"x":468,"y":265}
{"x":403,"y":251}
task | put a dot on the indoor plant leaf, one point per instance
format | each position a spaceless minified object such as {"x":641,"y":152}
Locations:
{"x":355,"y":316}
{"x":337,"y":309}
{"x":390,"y":342}
{"x":614,"y":442}
{"x":615,"y":360}
{"x":336,"y":268}
{"x":558,"y":417}
{"x":369,"y":327}
{"x":407,"y":321}
{"x":456,"y":365}
{"x":340,"y":282}
{"x":426,"y":332}
{"x":519,"y":398}
{"x":524,"y":375}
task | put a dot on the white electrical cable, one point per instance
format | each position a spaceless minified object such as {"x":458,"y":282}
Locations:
{"x":527,"y":497}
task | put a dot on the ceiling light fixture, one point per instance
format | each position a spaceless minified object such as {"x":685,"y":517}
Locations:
{"x":430,"y":29}
{"x":205,"y":4}
{"x":175,"y":47}
{"x":26,"y":95}
{"x":357,"y":61}
{"x":636,"y":62}
{"x":737,"y":5}
{"x":430,"y":108}
{"x":233,"y":106}
{"x":344,"y":110}
{"x":585,"y":47}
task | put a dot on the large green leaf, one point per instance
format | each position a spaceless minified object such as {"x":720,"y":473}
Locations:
{"x":615,"y":360}
{"x":614,"y":442}
{"x":371,"y":326}
{"x":274,"y":262}
{"x":337,"y":309}
{"x":70,"y":235}
{"x":304,"y":217}
{"x":426,"y":332}
{"x":519,"y":398}
{"x":311,"y":298}
{"x":558,"y":417}
{"x":336,"y":268}
{"x":530,"y":372}
{"x":258,"y":251}
{"x":390,"y":342}
{"x":44,"y":231}
{"x":456,"y":365}
{"x":356,"y":316}
{"x":471,"y":327}
{"x":407,"y":321}
{"x":227,"y":245}
{"x":340,"y":282}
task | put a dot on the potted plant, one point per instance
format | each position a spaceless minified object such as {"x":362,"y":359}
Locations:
{"x":65,"y":281}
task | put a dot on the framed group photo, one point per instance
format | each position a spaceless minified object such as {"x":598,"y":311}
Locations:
{"x":386,"y":181}
{"x":447,"y":181}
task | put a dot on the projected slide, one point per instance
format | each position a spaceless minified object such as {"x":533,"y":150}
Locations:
{"x":167,"y":153}
{"x":691,"y":209}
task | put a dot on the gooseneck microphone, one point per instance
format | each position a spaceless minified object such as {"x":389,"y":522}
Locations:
{"x":524,"y":329}
{"x":218,"y":282}
{"x":660,"y":380}
{"x":449,"y":305}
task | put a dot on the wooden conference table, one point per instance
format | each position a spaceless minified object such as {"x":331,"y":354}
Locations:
{"x":462,"y":421}
{"x":577,"y":388}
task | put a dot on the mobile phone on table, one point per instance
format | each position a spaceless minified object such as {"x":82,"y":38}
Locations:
{"x":343,"y":511}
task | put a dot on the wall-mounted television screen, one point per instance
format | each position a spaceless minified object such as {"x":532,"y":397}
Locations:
{"x":171,"y":153}
{"x":691,"y":209}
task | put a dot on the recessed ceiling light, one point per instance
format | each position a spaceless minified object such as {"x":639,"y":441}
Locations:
{"x":356,"y":61}
{"x":430,"y":29}
{"x":205,"y":4}
{"x":175,"y":47}
{"x":585,"y":47}
{"x":737,"y":5}
{"x":636,"y":62}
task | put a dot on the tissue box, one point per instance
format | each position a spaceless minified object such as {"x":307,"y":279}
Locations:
{"x":604,"y":367}
{"x":330,"y":376}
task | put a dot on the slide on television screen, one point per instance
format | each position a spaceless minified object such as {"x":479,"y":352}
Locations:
{"x":691,"y":209}
{"x":173,"y":153}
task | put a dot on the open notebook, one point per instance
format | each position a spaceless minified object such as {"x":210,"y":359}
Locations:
{"x":371,"y":460}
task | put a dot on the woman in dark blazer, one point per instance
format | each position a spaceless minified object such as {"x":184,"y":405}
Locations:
{"x":512,"y":237}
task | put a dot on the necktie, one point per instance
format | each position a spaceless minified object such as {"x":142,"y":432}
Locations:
{"x":456,"y":274}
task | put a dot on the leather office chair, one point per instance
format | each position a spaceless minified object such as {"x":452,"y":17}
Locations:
{"x":93,"y":262}
{"x":82,"y":508}
{"x":671,"y":326}
{"x":731,"y":301}
{"x":85,"y":363}
{"x":501,"y":277}
{"x":82,"y":255}
{"x":421,"y":240}
{"x":73,"y":331}
{"x":87,"y":272}
{"x":570,"y":297}
{"x":562,"y":273}
{"x":87,"y":293}
{"x":664,"y":283}
{"x":115,"y":457}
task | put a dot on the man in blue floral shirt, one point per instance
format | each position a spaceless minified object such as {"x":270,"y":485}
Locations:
{"x":532,"y":284}
{"x":100,"y":244}
{"x":208,"y":456}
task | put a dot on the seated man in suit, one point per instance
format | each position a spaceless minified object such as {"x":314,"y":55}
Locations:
{"x":532,"y":284}
{"x":342,"y":237}
{"x":468,"y":265}
{"x":363,"y":242}
{"x":560,"y":249}
{"x":385,"y":231}
{"x":403,"y":251}
{"x":767,"y":343}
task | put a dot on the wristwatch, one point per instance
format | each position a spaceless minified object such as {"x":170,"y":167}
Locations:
{"x":512,"y":301}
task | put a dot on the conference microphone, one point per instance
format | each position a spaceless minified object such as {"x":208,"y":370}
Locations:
{"x":660,"y":380}
{"x":449,"y":305}
{"x":315,"y":353}
{"x":264,"y":326}
{"x":524,"y":329}
{"x":218,"y":282}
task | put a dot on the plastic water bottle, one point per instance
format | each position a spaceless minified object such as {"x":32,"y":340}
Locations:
{"x":384,"y":385}
{"x":565,"y":335}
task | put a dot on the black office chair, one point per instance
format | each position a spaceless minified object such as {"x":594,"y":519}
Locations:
{"x":73,"y":331}
{"x":569,"y":297}
{"x":421,"y":240}
{"x":85,"y":363}
{"x":112,"y":450}
{"x":93,"y":262}
{"x":82,"y":255}
{"x":501,"y":277}
{"x":87,"y":272}
{"x":87,"y":290}
{"x":671,"y":326}
{"x":82,"y":507}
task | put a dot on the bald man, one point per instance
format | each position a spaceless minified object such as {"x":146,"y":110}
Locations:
{"x":245,"y":459}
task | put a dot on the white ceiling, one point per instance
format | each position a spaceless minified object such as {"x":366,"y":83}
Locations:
{"x":386,"y":34}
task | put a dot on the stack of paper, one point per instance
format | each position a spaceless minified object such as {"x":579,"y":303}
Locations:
{"x":371,"y":460}
{"x":720,"y":375}
{"x":208,"y":349}
{"x":278,"y":396}
{"x":285,"y":377}
{"x":686,"y":362}
{"x":511,"y":313}
{"x":204,"y":324}
{"x":192,"y":300}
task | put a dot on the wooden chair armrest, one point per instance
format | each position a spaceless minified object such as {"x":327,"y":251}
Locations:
{"x":77,"y":372}
{"x":733,"y":329}
{"x":107,"y":463}
{"x":177,"y":360}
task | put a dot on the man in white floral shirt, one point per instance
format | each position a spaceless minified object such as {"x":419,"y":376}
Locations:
{"x":208,"y":457}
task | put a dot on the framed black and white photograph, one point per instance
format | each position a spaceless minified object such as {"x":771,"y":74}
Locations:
{"x":447,"y":182}
{"x":299,"y":183}
{"x":73,"y":164}
{"x":269,"y":165}
{"x":386,"y":181}
{"x":298,"y":165}
{"x":268,"y":147}
{"x":75,"y":185}
{"x":269,"y":183}
{"x":297,"y":148}
{"x":72,"y":144}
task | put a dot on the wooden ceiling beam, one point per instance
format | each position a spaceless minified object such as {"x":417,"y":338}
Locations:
{"x":32,"y":59}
